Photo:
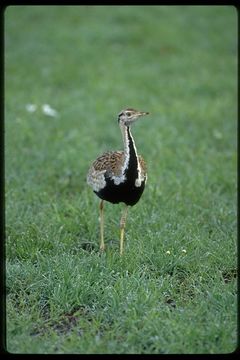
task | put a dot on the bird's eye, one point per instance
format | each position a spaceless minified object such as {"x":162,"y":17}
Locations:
{"x":128,"y":114}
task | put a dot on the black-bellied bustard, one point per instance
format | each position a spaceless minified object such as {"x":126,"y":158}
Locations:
{"x":119,"y":176}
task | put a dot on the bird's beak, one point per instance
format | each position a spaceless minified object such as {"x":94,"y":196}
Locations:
{"x":138,"y":115}
{"x":142,"y":113}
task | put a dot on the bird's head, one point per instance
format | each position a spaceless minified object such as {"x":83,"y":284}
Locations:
{"x":128,"y":116}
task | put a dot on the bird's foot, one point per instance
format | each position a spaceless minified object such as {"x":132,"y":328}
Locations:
{"x":102,"y":247}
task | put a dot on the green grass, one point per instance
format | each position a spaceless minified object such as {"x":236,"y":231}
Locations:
{"x":174,"y":290}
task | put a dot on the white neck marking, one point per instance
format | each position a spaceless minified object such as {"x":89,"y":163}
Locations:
{"x":125,"y":132}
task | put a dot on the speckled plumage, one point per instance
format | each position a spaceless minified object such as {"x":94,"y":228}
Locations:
{"x":112,"y":162}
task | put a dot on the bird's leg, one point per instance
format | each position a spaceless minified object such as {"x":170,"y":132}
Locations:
{"x":122,"y":228}
{"x":102,"y":245}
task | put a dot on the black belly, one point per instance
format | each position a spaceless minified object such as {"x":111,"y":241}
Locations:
{"x":126,"y":192}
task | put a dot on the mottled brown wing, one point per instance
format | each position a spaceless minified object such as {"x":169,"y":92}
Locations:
{"x":111,"y":161}
{"x":143,"y":165}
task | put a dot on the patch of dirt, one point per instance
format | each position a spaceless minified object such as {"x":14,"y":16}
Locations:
{"x":229,"y":275}
{"x":64,"y":324}
{"x":171,"y":303}
{"x":88,"y":246}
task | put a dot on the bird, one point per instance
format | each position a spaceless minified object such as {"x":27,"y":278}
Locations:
{"x":119,"y":176}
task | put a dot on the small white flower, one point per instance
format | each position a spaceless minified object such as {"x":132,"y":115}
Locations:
{"x":184,"y":251}
{"x":31,"y":108}
{"x":168,"y":252}
{"x":47,"y":110}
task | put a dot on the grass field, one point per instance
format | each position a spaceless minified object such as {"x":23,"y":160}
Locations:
{"x":174,"y":290}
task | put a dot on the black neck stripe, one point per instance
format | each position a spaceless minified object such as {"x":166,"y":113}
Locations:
{"x":132,"y":169}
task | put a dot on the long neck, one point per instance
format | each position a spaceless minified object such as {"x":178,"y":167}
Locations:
{"x":131,"y":166}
